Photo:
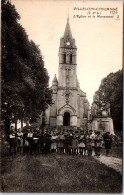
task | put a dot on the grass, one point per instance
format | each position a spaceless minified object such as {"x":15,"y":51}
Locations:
{"x":114,"y":152}
{"x":58,"y":173}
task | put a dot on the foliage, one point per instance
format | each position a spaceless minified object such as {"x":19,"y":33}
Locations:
{"x":25,"y":91}
{"x":111,"y":90}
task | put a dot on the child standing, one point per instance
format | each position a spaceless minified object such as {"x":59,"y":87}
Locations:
{"x":82,"y":144}
{"x":20,"y":141}
{"x":74,"y":145}
{"x":54,"y":142}
{"x":98,"y":143}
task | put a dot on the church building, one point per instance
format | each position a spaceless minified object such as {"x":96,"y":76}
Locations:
{"x":70,"y":105}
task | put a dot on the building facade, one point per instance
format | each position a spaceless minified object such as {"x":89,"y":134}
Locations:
{"x":70,"y":105}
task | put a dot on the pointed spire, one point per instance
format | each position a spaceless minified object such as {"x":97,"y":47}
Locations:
{"x":68,"y":19}
{"x":55,"y":79}
{"x":68,"y":16}
{"x":67,"y":33}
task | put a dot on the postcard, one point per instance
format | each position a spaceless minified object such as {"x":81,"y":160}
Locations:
{"x":62,"y":102}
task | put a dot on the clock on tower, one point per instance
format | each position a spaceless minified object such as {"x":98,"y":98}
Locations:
{"x":67,"y":43}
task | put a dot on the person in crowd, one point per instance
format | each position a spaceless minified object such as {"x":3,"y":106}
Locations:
{"x":40,"y":141}
{"x":64,"y":143}
{"x":30,"y":139}
{"x":108,"y":142}
{"x":20,"y":141}
{"x":82,"y":144}
{"x":89,"y":141}
{"x":60,"y":144}
{"x":2,"y":135}
{"x":25,"y":140}
{"x":92,"y":143}
{"x":37,"y":129}
{"x":54,"y":140}
{"x":68,"y":143}
{"x":74,"y":145}
{"x":35,"y":146}
{"x":46,"y":142}
{"x":12,"y":139}
{"x":98,"y":143}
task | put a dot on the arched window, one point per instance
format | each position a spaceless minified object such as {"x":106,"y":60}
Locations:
{"x":64,"y":58}
{"x":66,"y":119}
{"x":70,"y":58}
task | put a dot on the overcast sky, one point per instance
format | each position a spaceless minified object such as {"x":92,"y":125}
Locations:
{"x":99,"y":40}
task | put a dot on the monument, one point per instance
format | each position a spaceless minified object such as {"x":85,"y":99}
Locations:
{"x":101,"y":117}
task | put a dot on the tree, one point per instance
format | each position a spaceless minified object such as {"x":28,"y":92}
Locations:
{"x":111,"y":90}
{"x":25,"y":91}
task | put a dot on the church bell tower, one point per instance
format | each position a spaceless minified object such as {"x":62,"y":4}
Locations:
{"x":67,"y":59}
{"x":69,"y":108}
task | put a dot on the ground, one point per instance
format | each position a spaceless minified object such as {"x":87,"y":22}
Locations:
{"x":58,"y":173}
{"x":112,"y":162}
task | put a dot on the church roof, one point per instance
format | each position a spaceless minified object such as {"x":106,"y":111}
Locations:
{"x":67,"y":33}
{"x":82,"y":93}
{"x":55,"y":79}
{"x":78,"y":84}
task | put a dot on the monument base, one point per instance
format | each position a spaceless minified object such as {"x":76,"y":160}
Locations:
{"x":103,"y":124}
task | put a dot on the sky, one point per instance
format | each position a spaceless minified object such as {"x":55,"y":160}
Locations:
{"x":98,"y":39}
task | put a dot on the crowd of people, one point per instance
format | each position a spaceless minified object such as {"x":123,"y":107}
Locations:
{"x":34,"y":140}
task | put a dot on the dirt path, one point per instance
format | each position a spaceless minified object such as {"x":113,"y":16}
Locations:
{"x":112,"y":162}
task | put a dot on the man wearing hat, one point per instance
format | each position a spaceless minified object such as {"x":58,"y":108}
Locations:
{"x":46,"y":142}
{"x":108,"y":142}
{"x":68,"y":143}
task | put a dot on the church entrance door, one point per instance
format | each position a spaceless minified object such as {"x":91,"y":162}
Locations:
{"x":66,"y":119}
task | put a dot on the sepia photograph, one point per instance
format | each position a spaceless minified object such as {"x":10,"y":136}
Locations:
{"x":61,"y":96}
